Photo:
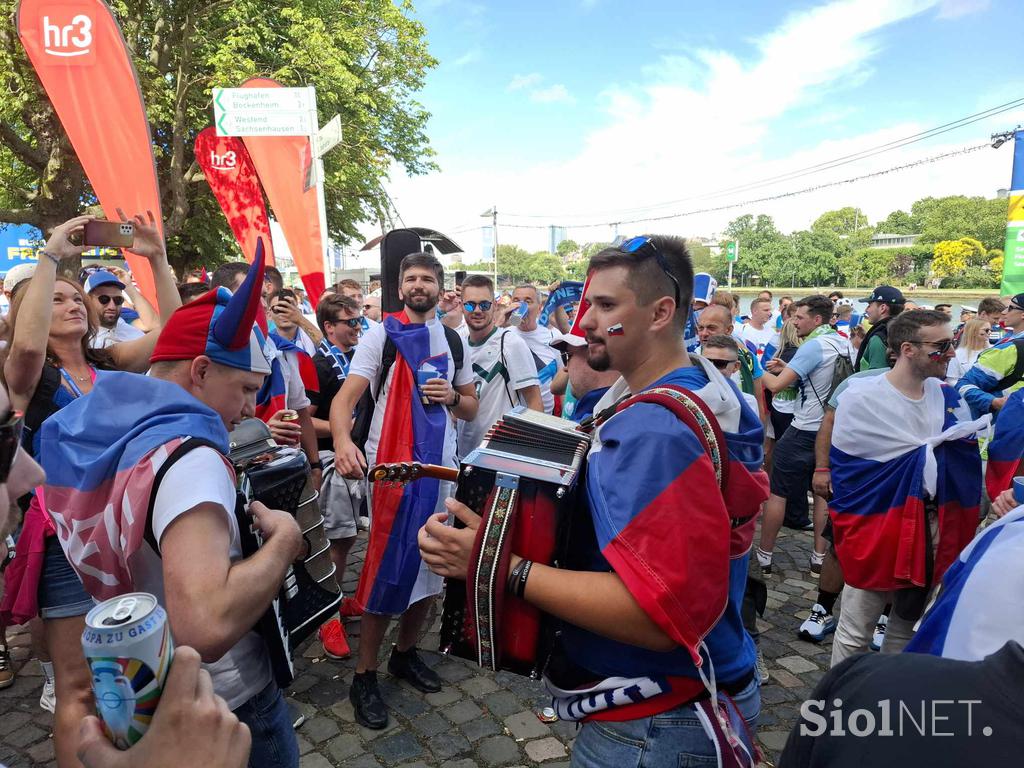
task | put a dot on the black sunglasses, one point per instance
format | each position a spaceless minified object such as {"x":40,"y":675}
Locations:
{"x":104,"y":299}
{"x":643,"y":247}
{"x":352,"y":322}
{"x":941,"y":347}
{"x":470,"y":306}
{"x":10,"y":440}
{"x":722,"y":364}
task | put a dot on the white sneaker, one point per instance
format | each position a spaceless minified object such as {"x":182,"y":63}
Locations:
{"x":48,"y":700}
{"x":364,"y":523}
{"x":764,"y":559}
{"x":817,"y":625}
{"x":879,"y":635}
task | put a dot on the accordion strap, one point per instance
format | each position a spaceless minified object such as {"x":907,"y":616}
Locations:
{"x":690,"y":410}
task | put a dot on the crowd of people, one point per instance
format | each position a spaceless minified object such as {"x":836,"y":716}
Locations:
{"x":876,"y":425}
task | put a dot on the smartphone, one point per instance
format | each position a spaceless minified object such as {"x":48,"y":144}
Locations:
{"x":110,"y":234}
{"x":460,"y":276}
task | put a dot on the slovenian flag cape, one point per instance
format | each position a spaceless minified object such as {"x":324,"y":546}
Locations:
{"x":1006,"y":450}
{"x":101,"y":454}
{"x":394,"y":576}
{"x":981,"y":604}
{"x":882,"y":474}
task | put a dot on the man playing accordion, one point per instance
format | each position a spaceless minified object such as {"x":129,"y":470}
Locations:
{"x":652,"y":655}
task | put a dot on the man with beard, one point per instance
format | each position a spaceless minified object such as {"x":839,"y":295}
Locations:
{"x":106,"y":294}
{"x":635,"y":617}
{"x":503,"y":371}
{"x":419,"y":374}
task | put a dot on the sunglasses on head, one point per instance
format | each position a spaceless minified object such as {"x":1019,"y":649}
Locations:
{"x":352,"y":322}
{"x":721,"y":364}
{"x":941,"y":347}
{"x":104,"y":300}
{"x":643,"y":247}
{"x":10,"y":439}
{"x":471,"y":306}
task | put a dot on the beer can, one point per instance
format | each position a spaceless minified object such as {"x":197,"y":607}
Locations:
{"x":518,"y":314}
{"x":289,"y":416}
{"x":128,"y":646}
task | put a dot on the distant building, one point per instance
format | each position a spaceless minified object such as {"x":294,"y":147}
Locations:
{"x":555,"y":236}
{"x":883,"y":240}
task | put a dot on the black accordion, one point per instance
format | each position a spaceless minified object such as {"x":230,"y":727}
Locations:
{"x":280,"y":478}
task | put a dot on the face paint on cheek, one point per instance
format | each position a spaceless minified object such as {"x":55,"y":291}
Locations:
{"x":615,"y":330}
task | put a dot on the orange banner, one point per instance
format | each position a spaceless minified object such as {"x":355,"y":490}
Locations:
{"x":232,"y":178}
{"x":82,"y":61}
{"x":284,"y":164}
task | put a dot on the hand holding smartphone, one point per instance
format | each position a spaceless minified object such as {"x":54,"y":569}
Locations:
{"x":106,"y":234}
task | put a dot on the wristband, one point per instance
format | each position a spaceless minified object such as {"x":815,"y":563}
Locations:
{"x":822,"y":469}
{"x":50,"y":256}
{"x":316,"y":465}
{"x":457,"y":400}
{"x":517,"y":579}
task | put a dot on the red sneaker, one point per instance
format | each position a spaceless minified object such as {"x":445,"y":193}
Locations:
{"x":349,"y":608}
{"x":332,"y":636}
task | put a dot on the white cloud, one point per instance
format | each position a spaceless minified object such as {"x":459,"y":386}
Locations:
{"x":522,"y":82}
{"x":954,"y":9}
{"x":469,"y":57}
{"x":551,"y":94}
{"x":699,"y":123}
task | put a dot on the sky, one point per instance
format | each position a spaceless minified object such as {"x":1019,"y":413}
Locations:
{"x":577,"y":112}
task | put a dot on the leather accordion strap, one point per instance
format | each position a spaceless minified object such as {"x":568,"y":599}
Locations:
{"x":488,"y":572}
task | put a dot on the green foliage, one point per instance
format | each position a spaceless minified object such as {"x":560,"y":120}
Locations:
{"x":367,"y":59}
{"x":545,"y":268}
{"x":567,"y":249}
{"x":955,"y":217}
{"x":954,"y":257}
{"x":576,"y":270}
{"x":897,"y":223}
{"x":875,"y":266}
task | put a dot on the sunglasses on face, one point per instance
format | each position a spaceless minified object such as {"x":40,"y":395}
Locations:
{"x":642,"y":248}
{"x":721,"y":364}
{"x":472,"y":306}
{"x":941,"y":347}
{"x":10,"y":439}
{"x":352,"y":322}
{"x":103,"y":299}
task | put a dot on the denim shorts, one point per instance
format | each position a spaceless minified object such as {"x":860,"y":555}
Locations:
{"x":61,"y":594}
{"x":274,"y":744}
{"x":793,"y":463}
{"x":673,"y":739}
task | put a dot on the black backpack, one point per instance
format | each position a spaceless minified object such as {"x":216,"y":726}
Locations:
{"x":364,"y":416}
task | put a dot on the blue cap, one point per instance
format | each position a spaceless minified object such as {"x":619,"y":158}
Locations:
{"x":101,"y":277}
{"x":885,"y":294}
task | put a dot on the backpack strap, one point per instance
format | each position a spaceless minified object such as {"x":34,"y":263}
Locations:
{"x":190,"y":444}
{"x":1018,"y":368}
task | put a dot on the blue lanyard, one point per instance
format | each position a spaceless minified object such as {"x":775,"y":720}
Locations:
{"x":71,"y":383}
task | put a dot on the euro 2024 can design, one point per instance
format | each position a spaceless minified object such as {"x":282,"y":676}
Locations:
{"x":128,"y":646}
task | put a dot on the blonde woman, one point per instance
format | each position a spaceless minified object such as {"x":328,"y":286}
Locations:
{"x":973,"y":342}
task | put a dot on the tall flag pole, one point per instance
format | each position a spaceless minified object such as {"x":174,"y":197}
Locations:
{"x":1013,"y":253}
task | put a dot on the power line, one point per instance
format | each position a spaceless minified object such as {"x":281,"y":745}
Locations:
{"x":779,"y":196}
{"x":808,"y":170}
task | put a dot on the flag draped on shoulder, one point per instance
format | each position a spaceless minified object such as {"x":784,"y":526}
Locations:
{"x":101,"y":454}
{"x":882,"y":476}
{"x":411,"y":431}
{"x":1006,"y":450}
{"x":981,"y":605}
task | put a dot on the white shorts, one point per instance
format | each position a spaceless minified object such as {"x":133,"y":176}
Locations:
{"x":341,"y":501}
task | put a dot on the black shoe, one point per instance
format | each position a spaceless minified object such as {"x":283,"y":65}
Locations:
{"x":410,"y":667}
{"x":367,"y":701}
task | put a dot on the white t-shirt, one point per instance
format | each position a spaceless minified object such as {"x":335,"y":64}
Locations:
{"x":961,"y":364}
{"x":548,"y":361}
{"x":814,"y":362}
{"x":501,"y":365}
{"x":107,"y":337}
{"x":200,"y":477}
{"x":367,"y":363}
{"x":295,"y":387}
{"x":757,"y":340}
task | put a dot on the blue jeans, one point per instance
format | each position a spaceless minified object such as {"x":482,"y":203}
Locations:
{"x":273,"y":737}
{"x":61,"y":594}
{"x":673,"y":739}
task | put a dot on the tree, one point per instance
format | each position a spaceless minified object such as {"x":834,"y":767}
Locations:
{"x":367,"y":59}
{"x":847,"y":223}
{"x":577,"y":270}
{"x":954,"y":257}
{"x":514,"y":263}
{"x":567,"y":250}
{"x":544,"y":267}
{"x":897,"y":223}
{"x":955,"y":217}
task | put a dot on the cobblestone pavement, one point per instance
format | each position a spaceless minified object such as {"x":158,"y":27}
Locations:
{"x":478,"y":719}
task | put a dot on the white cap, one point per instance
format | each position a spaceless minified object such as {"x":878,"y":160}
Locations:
{"x":572,"y":340}
{"x":17,"y":274}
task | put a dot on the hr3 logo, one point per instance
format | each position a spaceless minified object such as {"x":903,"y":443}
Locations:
{"x":74,"y":39}
{"x":224,"y":162}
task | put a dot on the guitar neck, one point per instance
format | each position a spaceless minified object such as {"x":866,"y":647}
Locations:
{"x":407,"y":472}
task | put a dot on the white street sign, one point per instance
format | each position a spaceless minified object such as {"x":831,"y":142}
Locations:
{"x":262,"y":100}
{"x":330,"y":135}
{"x":265,"y":124}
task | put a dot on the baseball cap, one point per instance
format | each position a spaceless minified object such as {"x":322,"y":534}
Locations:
{"x":558,"y":339}
{"x":101,"y":277}
{"x":885,"y":294}
{"x":17,"y":274}
{"x":965,"y":308}
{"x":1018,"y":300}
